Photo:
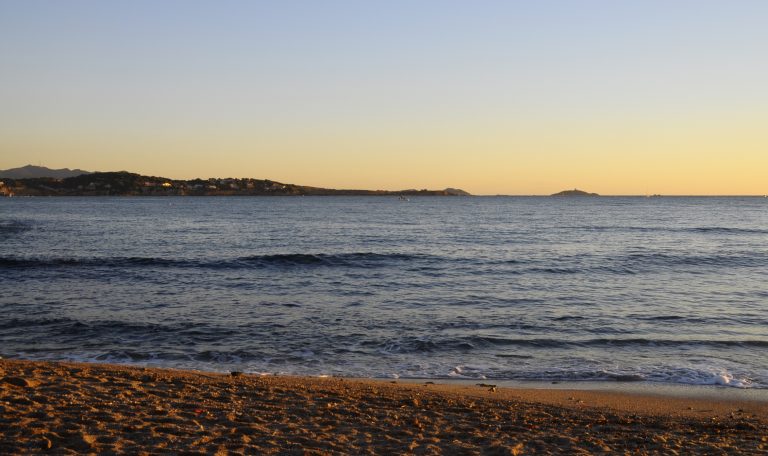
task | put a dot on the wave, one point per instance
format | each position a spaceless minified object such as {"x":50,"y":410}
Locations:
{"x":635,"y":261}
{"x":723,"y":230}
{"x":357,"y":259}
{"x":194,"y":332}
{"x":241,"y":346}
{"x":622,"y":264}
{"x":666,"y":374}
{"x":658,"y":229}
{"x":427,"y":345}
{"x":644,"y":262}
{"x":107,"y":330}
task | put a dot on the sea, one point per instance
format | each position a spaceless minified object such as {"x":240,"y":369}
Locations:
{"x":669,"y":290}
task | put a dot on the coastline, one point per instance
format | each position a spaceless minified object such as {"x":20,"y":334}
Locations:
{"x":74,"y":408}
{"x":709,"y":393}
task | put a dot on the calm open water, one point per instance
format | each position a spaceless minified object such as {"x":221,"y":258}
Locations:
{"x":667,"y":290}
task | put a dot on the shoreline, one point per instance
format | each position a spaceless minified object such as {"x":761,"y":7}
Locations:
{"x":632,"y":388}
{"x":74,"y":408}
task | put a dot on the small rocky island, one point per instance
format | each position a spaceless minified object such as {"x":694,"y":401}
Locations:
{"x":574,"y":192}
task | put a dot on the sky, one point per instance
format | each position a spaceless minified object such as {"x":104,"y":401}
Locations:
{"x":494,"y":97}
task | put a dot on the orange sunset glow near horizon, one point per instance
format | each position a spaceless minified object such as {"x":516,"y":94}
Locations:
{"x":617,"y":98}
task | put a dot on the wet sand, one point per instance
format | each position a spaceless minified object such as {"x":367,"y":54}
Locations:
{"x":73,"y":408}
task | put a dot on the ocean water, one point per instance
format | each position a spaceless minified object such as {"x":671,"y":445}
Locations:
{"x":669,"y":290}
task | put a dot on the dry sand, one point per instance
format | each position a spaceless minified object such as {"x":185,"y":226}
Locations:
{"x":70,"y":408}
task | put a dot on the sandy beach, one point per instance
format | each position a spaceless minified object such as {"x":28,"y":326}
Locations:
{"x":73,"y":408}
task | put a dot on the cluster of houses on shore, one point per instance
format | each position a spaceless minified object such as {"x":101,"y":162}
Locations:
{"x":212,"y":185}
{"x":123,"y":183}
{"x":228,"y":184}
{"x":5,"y":190}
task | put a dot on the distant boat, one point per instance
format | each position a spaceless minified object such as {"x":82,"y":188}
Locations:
{"x":402,"y":198}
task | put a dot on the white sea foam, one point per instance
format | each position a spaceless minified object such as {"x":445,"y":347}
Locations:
{"x":726,"y":379}
{"x":702,"y":376}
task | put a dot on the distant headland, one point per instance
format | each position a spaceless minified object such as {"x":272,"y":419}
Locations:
{"x":574,"y":192}
{"x":40,"y":181}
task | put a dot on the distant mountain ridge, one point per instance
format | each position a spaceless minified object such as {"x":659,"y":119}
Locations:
{"x":123,"y":183}
{"x":33,"y":172}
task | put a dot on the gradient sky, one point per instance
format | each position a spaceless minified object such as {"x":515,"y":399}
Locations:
{"x":511,"y":97}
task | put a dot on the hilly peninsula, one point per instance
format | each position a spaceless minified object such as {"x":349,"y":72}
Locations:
{"x":123,"y":183}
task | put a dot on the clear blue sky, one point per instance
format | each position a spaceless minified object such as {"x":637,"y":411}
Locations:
{"x":496,"y":97}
